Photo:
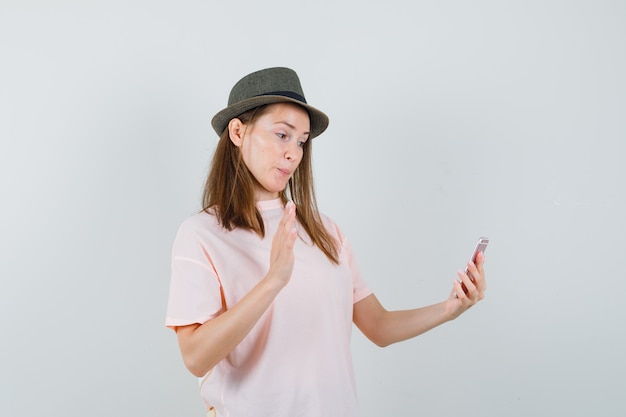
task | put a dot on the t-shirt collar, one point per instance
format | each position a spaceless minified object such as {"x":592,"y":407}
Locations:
{"x":269,"y":204}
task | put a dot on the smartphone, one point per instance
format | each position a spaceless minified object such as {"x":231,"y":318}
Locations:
{"x":481,"y":246}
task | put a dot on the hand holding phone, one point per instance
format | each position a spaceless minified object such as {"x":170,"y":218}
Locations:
{"x":481,"y":246}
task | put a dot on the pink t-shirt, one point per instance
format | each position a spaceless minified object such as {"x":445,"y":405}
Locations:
{"x":296,"y":361}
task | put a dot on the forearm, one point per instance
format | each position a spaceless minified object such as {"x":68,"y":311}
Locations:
{"x":203,"y":346}
{"x":387,"y":327}
{"x":396,"y":326}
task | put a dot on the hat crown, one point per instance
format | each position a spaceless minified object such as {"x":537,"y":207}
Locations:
{"x":268,"y":81}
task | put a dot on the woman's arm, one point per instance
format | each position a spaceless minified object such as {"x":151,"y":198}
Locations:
{"x":387,"y":327}
{"x":204,"y":345}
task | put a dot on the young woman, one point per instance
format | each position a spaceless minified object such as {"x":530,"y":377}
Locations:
{"x":264,"y":288}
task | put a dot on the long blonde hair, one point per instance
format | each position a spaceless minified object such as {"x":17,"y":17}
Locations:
{"x":229,"y":191}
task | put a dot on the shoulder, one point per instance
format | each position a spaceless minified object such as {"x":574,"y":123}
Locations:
{"x":197,"y":225}
{"x":201,"y":220}
{"x":333,"y":228}
{"x":198,"y":235}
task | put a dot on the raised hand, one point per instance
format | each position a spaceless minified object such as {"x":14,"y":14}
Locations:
{"x":467,"y":291}
{"x":281,"y":256}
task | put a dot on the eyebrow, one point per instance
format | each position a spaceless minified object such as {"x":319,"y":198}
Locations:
{"x":291,"y":126}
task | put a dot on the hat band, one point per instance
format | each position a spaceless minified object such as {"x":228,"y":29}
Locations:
{"x":289,"y":94}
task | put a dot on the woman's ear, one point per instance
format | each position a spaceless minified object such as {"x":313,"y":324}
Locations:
{"x":236,"y":130}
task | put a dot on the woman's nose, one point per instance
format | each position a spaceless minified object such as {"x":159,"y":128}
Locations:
{"x":291,"y":152}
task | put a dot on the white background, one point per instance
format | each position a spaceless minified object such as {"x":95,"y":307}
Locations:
{"x":449,"y":120}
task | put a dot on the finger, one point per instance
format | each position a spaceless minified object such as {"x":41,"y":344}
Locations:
{"x":467,"y":295}
{"x":291,"y":239}
{"x":477,"y":274}
{"x":291,"y":212}
{"x":291,"y":217}
{"x":472,"y":271}
{"x":481,"y":270}
{"x":288,"y":214}
{"x":286,"y":222}
{"x":480,"y":262}
{"x":289,"y":226}
{"x":458,"y":291}
{"x":466,"y":282}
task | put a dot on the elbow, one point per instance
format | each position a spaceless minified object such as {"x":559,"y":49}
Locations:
{"x":197,"y":358}
{"x":378,"y":339}
{"x":199,"y":366}
{"x":381,"y":342}
{"x":197,"y":372}
{"x":197,"y":369}
{"x":375,"y":332}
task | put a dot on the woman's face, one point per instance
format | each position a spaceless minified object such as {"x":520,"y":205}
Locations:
{"x":272,"y":146}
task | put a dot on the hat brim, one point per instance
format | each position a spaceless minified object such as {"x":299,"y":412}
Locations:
{"x":319,"y":120}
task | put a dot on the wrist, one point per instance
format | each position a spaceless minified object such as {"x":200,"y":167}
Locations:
{"x":271,"y":285}
{"x":450,"y":312}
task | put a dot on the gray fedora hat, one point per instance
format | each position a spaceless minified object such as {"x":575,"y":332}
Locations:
{"x":267,"y":86}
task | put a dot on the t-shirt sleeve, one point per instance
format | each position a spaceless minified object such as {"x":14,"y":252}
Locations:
{"x":360,"y":288}
{"x":194,"y":295}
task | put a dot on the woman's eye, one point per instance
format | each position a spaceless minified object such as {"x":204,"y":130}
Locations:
{"x":281,"y":135}
{"x":301,"y":143}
